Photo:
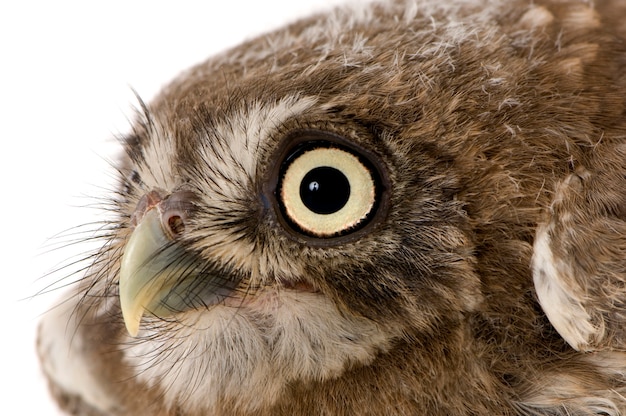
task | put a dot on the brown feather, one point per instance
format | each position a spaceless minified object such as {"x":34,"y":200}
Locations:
{"x":499,"y":129}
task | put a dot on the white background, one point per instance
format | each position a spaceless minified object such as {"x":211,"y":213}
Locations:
{"x":66,"y":73}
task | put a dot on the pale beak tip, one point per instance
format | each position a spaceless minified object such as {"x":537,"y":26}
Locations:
{"x":132,"y":315}
{"x":132,"y":325}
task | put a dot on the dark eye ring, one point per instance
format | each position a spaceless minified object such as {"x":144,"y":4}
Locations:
{"x":326,"y":187}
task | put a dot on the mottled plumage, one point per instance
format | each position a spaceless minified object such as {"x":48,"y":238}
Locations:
{"x":476,"y":266}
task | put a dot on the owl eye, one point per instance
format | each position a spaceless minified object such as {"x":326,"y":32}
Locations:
{"x":326,"y":190}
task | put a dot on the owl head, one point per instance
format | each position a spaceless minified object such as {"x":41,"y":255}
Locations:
{"x":345,"y":216}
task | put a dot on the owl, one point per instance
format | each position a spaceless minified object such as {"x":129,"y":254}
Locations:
{"x":404,"y":207}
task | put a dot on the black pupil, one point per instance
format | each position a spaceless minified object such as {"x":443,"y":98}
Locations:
{"x":324,"y":190}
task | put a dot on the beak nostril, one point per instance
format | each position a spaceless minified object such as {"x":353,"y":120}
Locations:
{"x":176,"y":225}
{"x":173,"y":210}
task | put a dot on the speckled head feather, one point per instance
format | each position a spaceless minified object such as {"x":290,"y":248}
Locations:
{"x":395,"y":208}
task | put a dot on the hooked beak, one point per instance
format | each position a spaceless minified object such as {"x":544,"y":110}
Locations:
{"x":158,"y":274}
{"x":150,"y":272}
